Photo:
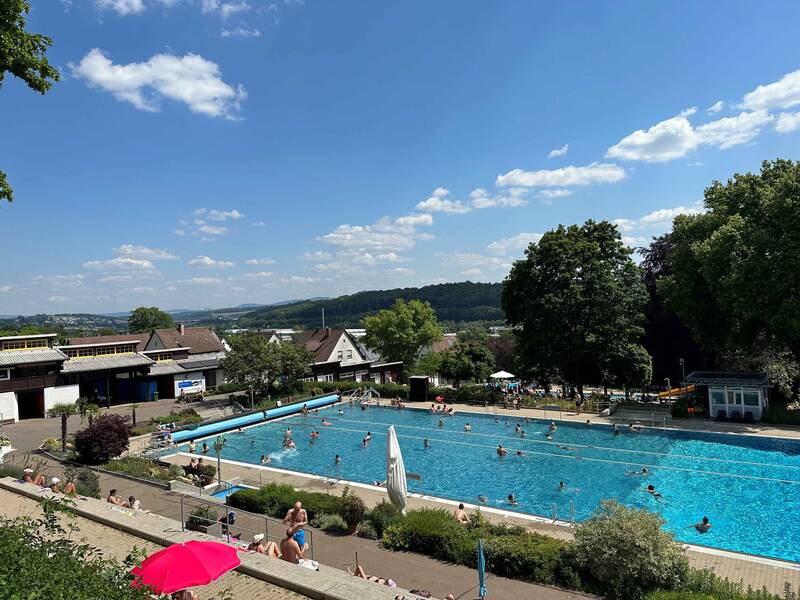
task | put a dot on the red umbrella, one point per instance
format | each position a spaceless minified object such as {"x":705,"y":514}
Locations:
{"x":182,"y":566}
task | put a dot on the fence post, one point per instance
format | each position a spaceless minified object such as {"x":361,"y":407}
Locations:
{"x":183,"y":521}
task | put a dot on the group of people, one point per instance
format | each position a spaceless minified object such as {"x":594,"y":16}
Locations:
{"x":441,"y":409}
{"x":30,"y":476}
{"x":131,"y":503}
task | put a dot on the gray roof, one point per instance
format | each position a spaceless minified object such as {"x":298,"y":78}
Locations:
{"x":102,"y":363}
{"x":732,"y":378}
{"x":166,"y":368}
{"x":10,"y":358}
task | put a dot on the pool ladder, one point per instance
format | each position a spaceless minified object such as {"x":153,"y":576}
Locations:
{"x":554,"y":512}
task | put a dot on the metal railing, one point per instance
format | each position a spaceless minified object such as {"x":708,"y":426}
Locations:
{"x":244,"y":527}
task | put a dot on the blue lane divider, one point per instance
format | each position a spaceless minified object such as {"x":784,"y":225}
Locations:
{"x":252,"y":418}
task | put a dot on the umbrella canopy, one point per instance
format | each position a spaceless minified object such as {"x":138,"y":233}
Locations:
{"x":481,"y":570}
{"x":396,"y":484}
{"x":502,"y":375}
{"x":182,"y":566}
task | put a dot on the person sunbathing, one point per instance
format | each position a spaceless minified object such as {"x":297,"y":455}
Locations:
{"x":359,"y":572}
{"x":271,"y":549}
{"x":291,"y":551}
{"x":54,"y":485}
{"x":69,"y":489}
{"x":30,"y":477}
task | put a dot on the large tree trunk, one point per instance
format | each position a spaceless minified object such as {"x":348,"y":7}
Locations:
{"x":64,"y":432}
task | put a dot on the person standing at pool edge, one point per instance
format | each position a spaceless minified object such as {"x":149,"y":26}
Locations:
{"x":297,"y":518}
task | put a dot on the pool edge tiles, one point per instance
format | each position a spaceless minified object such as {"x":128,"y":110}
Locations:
{"x":559,"y":523}
{"x":253,"y":418}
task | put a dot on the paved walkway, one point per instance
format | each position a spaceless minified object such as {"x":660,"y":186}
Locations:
{"x":116,"y":544}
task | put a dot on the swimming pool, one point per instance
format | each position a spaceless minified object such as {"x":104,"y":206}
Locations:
{"x":748,"y":486}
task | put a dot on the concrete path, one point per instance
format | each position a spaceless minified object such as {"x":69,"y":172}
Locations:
{"x":116,"y":544}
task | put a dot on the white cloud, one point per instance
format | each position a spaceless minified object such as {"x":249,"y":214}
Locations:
{"x":213,"y":229}
{"x":224,"y":9}
{"x":315,"y":255}
{"x":199,"y":281}
{"x":71,"y":280}
{"x":732,"y":131}
{"x":257,"y":275}
{"x":634,"y":241}
{"x":658,"y":219}
{"x":206,"y":262}
{"x":472,"y":260}
{"x":258,"y":224}
{"x":384,"y":235}
{"x":716,"y":107}
{"x":5,"y":289}
{"x":58,"y":299}
{"x":438,"y":202}
{"x":121,"y":263}
{"x":143,"y":290}
{"x":474,"y":272}
{"x":259,"y":261}
{"x":115,"y":278}
{"x":400,"y":271}
{"x":787,"y":122}
{"x":222,"y":215}
{"x":190,"y":79}
{"x":121,"y":7}
{"x":480,"y":198}
{"x":514,"y":244}
{"x":414,"y":220}
{"x":571,"y":175}
{"x":676,"y":137}
{"x":298,"y":279}
{"x":135,"y":251}
{"x":240,"y":32}
{"x":784,"y":93}
{"x":559,"y":151}
{"x":556,"y":193}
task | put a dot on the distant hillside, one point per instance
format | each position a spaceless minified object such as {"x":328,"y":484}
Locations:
{"x":458,"y":302}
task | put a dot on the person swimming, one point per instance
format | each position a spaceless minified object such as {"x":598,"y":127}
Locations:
{"x":517,"y":428}
{"x":520,"y":453}
{"x":326,"y":423}
{"x":512,"y":500}
{"x":290,"y":444}
{"x":567,"y":448}
{"x":483,"y":499}
{"x":652,"y":491}
{"x":552,"y":427}
{"x":703,"y":526}
{"x":265,"y":459}
{"x":441,"y":422}
{"x":548,"y":437}
{"x":562,"y":486}
{"x":426,"y":443}
{"x":467,"y":427}
{"x":501,"y":452}
{"x":634,"y":428}
{"x":522,"y":433}
{"x":337,"y":459}
{"x":615,"y":429}
{"x":341,"y":411}
{"x":366,"y":440}
{"x":644,"y":471}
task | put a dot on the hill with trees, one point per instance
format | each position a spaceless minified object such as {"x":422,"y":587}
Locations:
{"x":453,"y":302}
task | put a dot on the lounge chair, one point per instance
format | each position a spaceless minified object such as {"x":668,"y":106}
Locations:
{"x":736,"y":415}
{"x":721,"y":416}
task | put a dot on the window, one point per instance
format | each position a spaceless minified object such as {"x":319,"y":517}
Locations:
{"x":5,"y":374}
{"x":717,"y":397}
{"x":734,"y":397}
{"x":327,"y":377}
{"x":161,"y":356}
{"x":751,"y":398}
{"x":339,"y":355}
{"x":84,"y":352}
{"x":70,"y":353}
{"x":349,"y":354}
{"x":24,"y":344}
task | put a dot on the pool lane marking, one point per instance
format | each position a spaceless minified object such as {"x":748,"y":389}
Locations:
{"x":573,"y":457}
{"x":553,"y":443}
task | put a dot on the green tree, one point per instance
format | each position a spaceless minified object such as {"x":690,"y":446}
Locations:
{"x":24,"y":55}
{"x":64,"y":411}
{"x":577,"y":302}
{"x":145,"y":320}
{"x":734,"y":270}
{"x":254,"y":361}
{"x":467,"y":361}
{"x":430,"y":363}
{"x":401,"y":332}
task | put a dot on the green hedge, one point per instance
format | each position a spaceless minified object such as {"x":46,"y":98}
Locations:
{"x":777,"y":414}
{"x":275,"y":499}
{"x":391,"y":390}
{"x":509,"y":552}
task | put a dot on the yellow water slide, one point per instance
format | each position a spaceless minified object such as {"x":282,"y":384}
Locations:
{"x":678,"y":391}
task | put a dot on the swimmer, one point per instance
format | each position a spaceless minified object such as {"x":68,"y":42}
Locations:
{"x":366,"y":440}
{"x":341,"y":412}
{"x":644,"y":471}
{"x":483,"y":499}
{"x":192,"y":447}
{"x":314,"y":435}
{"x":552,"y":427}
{"x":265,"y":459}
{"x":204,"y":449}
{"x":652,"y":491}
{"x":567,"y":448}
{"x":426,"y":443}
{"x":522,"y":433}
{"x":496,"y":420}
{"x":288,"y":432}
{"x":615,"y":430}
{"x":467,"y":427}
{"x":337,"y":459}
{"x":520,"y":453}
{"x":517,"y":428}
{"x":501,"y":452}
{"x":240,"y":431}
{"x":252,"y":443}
{"x":511,"y":500}
{"x":441,"y":422}
{"x":304,"y":410}
{"x":562,"y":486}
{"x":326,"y":423}
{"x":703,"y":526}
{"x":527,"y":419}
{"x":588,"y":422}
{"x":634,"y":428}
{"x":548,"y":437}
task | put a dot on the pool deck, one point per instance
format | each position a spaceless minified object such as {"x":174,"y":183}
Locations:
{"x":754,"y":571}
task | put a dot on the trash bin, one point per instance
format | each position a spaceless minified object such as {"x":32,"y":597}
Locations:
{"x":155,"y":396}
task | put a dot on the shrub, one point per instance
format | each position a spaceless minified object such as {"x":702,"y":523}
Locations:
{"x":275,"y":500}
{"x":11,"y":470}
{"x":382,"y":515}
{"x":204,"y":516}
{"x":103,"y":440}
{"x":352,"y":509}
{"x":529,"y":556}
{"x":701,"y":584}
{"x":678,"y":595}
{"x":183,"y":417}
{"x":627,"y":553}
{"x":780,"y":414}
{"x":333,"y":523}
{"x":86,"y":481}
{"x":428,"y":531}
{"x":366,"y":530}
{"x":143,"y":468}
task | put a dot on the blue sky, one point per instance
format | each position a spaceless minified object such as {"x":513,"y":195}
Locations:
{"x":206,"y":153}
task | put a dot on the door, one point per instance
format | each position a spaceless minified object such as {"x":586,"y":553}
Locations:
{"x":30,"y":405}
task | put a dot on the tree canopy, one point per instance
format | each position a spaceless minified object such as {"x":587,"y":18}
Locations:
{"x":734,"y":270}
{"x":254,"y":361}
{"x":401,"y":332}
{"x":469,"y":360}
{"x":577,"y":301}
{"x":24,"y":55}
{"x":145,"y":320}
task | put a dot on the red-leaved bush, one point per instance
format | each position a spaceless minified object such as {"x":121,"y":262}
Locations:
{"x":104,"y":439}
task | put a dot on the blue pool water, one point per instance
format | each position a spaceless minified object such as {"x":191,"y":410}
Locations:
{"x":222,"y":494}
{"x":748,"y":486}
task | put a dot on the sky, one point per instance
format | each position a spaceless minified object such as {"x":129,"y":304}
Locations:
{"x":208,"y":153}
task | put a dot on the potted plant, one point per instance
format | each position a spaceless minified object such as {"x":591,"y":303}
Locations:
{"x":353,"y":509}
{"x":202,"y":519}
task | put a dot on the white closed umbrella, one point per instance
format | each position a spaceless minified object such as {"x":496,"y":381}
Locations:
{"x":396,"y":485}
{"x":502,"y":375}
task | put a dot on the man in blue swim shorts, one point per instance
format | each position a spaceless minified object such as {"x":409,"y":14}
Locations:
{"x":296,"y":518}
